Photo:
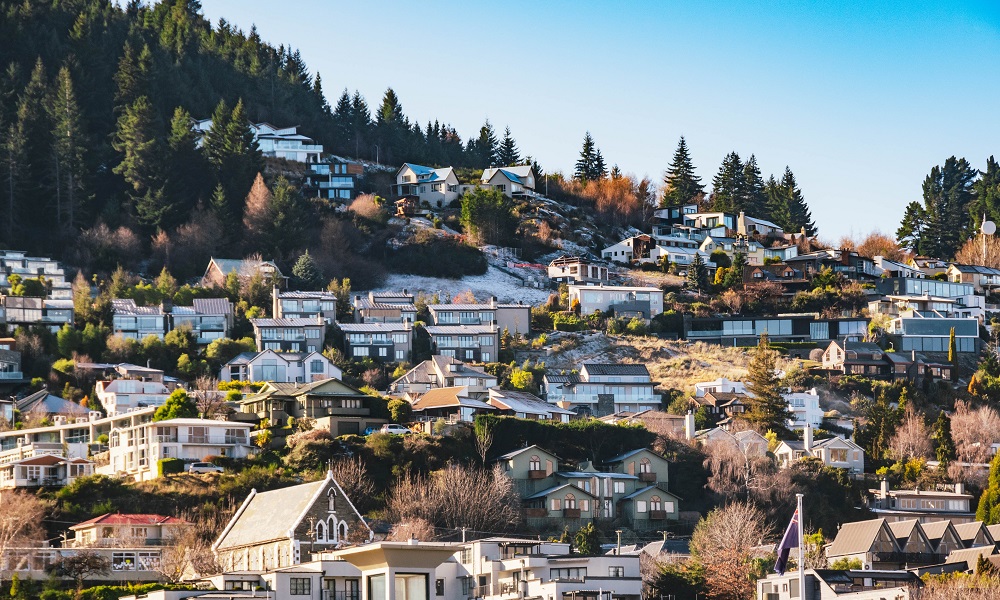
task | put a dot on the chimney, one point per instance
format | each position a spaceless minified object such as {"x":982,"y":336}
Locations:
{"x":275,"y":304}
{"x":689,"y":427}
{"x":884,"y":488}
{"x":808,"y":437}
{"x":959,"y":488}
{"x":493,"y":301}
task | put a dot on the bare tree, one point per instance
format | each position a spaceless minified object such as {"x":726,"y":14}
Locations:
{"x":739,"y":467}
{"x":484,"y":439}
{"x":83,"y":565}
{"x":974,"y":431}
{"x":978,"y":586}
{"x":20,"y":520}
{"x":724,"y":542}
{"x":207,"y":397}
{"x":416,"y":529}
{"x":912,"y":438}
{"x":455,"y":497}
{"x":353,"y":477}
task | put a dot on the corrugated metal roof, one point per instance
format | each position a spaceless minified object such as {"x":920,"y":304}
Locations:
{"x":616,"y":369}
{"x":373,"y":327}
{"x":856,"y":538}
{"x":459,"y":329}
{"x":212,"y":306}
{"x":304,"y":322}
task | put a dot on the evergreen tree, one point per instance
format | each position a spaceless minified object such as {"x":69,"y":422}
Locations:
{"x":219,"y":204}
{"x":292,"y":219}
{"x":953,"y":354}
{"x":177,"y":406}
{"x":600,"y":169}
{"x":30,"y":147}
{"x":767,"y":408}
{"x":911,"y":229}
{"x":798,"y":211}
{"x":258,"y":212}
{"x":754,"y":201}
{"x":233,"y":153}
{"x":947,"y":193}
{"x":68,"y":145}
{"x":136,"y":142}
{"x":987,"y":193}
{"x":486,"y":148}
{"x":681,"y":185}
{"x":584,"y":170}
{"x":728,"y":185}
{"x":132,"y":78}
{"x":734,"y":275}
{"x":697,"y":274}
{"x":343,"y":125}
{"x":391,"y":127}
{"x":945,"y":445}
{"x":616,"y":173}
{"x":988,"y":510}
{"x":306,"y":274}
{"x":507,"y":154}
{"x":361,"y":124}
{"x":777,"y":205}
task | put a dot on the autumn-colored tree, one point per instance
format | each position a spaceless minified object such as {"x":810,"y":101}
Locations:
{"x":258,"y":213}
{"x":723,"y":543}
{"x":876,"y":243}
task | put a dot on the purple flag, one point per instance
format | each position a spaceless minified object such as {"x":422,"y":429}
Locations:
{"x":789,"y":541}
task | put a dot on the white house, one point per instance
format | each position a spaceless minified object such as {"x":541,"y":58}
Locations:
{"x":602,"y":389}
{"x":626,"y":301}
{"x":280,"y":367}
{"x":134,"y":450}
{"x":573,"y":269}
{"x":719,"y":385}
{"x":122,"y":395}
{"x":510,"y":181}
{"x":833,"y":452}
{"x":275,"y":142}
{"x":805,"y":408}
{"x":436,"y":186}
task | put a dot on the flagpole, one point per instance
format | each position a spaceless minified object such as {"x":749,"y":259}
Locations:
{"x":802,"y":562}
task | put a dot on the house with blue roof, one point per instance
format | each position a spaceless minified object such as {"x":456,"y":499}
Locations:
{"x":510,"y":181}
{"x":438,"y":187}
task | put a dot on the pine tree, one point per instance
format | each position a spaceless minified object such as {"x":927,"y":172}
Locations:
{"x":31,"y":147}
{"x":734,"y":276}
{"x":777,"y":205}
{"x":953,"y":354}
{"x":616,"y":173}
{"x":186,"y":171}
{"x":600,"y":169}
{"x":68,"y":146}
{"x":136,"y":142}
{"x":988,"y":510}
{"x":697,"y":274}
{"x":986,"y":190}
{"x":911,"y":228}
{"x":292,"y":218}
{"x":728,"y":185}
{"x":343,"y":126}
{"x":767,"y":408}
{"x":306,"y":274}
{"x":681,"y":185}
{"x":584,"y":170}
{"x":945,"y":445}
{"x":798,"y":211}
{"x":754,"y":201}
{"x":507,"y":154}
{"x":132,"y":77}
{"x":486,"y":146}
{"x":948,"y":194}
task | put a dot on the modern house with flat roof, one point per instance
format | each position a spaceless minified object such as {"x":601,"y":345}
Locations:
{"x":623,"y":301}
{"x":601,"y":389}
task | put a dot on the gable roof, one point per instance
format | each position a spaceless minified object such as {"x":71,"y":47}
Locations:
{"x":638,"y":493}
{"x":322,"y":387}
{"x":243,"y":267}
{"x":903,"y":530}
{"x":130,"y":519}
{"x":448,"y":396}
{"x":551,"y":490}
{"x":524,"y":402}
{"x":45,"y":403}
{"x":969,"y":531}
{"x":857,"y":537}
{"x":520,"y":451}
{"x":631,"y":453}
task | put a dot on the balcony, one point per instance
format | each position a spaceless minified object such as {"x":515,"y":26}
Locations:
{"x":11,"y":375}
{"x":536,"y":474}
{"x":657,"y":515}
{"x":536,"y":513}
{"x":341,"y":595}
{"x":571,"y":513}
{"x":647,"y":477}
{"x":909,"y":558}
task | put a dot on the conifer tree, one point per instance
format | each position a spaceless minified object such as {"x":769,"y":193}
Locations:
{"x":306,"y":274}
{"x":953,"y":354}
{"x":945,"y":445}
{"x":68,"y":145}
{"x":257,"y":216}
{"x":616,"y":173}
{"x":728,"y":185}
{"x":507,"y":154}
{"x":911,"y":229}
{"x":343,"y":126}
{"x":136,"y":142}
{"x":948,"y":194}
{"x":681,"y":185}
{"x":734,"y":276}
{"x":600,"y":169}
{"x":697,"y":274}
{"x":186,"y":171}
{"x":754,"y":201}
{"x":486,"y":146}
{"x":798,"y":211}
{"x":31,"y":148}
{"x":132,"y":77}
{"x":986,"y":192}
{"x":767,"y":408}
{"x":584,"y":170}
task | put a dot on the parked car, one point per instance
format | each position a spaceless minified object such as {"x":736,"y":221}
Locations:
{"x":394,"y":428}
{"x":203,"y":467}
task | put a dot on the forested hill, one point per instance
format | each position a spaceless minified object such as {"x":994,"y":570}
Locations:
{"x":94,"y":101}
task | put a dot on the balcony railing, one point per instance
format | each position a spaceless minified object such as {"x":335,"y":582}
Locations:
{"x":11,"y":375}
{"x":571,"y":513}
{"x":647,"y":477}
{"x":657,"y":515}
{"x":929,"y":558}
{"x":536,"y":474}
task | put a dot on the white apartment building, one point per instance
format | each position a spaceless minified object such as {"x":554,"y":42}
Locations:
{"x":279,"y":367}
{"x":275,"y":142}
{"x":602,"y":389}
{"x":627,"y":301}
{"x":804,"y":407}
{"x":122,"y":395}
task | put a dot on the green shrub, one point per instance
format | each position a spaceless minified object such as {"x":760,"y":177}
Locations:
{"x":567,"y":321}
{"x":165,"y":466}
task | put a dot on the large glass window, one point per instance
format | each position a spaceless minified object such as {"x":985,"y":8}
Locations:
{"x":299,"y":586}
{"x":411,"y":586}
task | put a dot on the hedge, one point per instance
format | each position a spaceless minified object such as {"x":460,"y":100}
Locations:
{"x":165,"y":466}
{"x":578,"y":440}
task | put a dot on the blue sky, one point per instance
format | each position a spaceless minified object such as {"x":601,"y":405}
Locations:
{"x":860,"y":99}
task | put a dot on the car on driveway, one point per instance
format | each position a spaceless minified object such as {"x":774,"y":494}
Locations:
{"x":395,"y":429}
{"x":203,"y":467}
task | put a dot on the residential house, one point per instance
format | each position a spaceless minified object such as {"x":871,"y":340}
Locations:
{"x":525,"y":405}
{"x":790,"y":279}
{"x":290,"y":335}
{"x":135,"y":450}
{"x":622,"y":301}
{"x":754,"y":227}
{"x":208,"y":319}
{"x":270,"y":529}
{"x":219,"y":268}
{"x":600,"y":389}
{"x":383,"y":341}
{"x":474,"y":343}
{"x":67,"y":437}
{"x":833,"y":452}
{"x":274,"y":142}
{"x":804,"y":407}
{"x":974,"y":534}
{"x":826,"y":584}
{"x":7,"y":411}
{"x":304,"y":305}
{"x":280,"y":367}
{"x":658,"y":421}
{"x":452,"y":404}
{"x":630,"y":249}
{"x":928,"y":265}
{"x":856,"y":358}
{"x":122,"y":395}
{"x":917,"y":367}
{"x":332,"y":403}
{"x":513,"y":318}
{"x":333,"y":179}
{"x":892,"y":268}
{"x":442,"y":371}
{"x":923,"y":334}
{"x":10,"y":368}
{"x":780,"y":252}
{"x":847,"y":263}
{"x":117,"y":530}
{"x":983,"y":279}
{"x":723,"y":406}
{"x":26,"y":311}
{"x":719,"y":385}
{"x":45,"y":405}
{"x":677,"y":250}
{"x":880,"y":544}
{"x":528,"y":466}
{"x":385,"y":307}
{"x":576,"y":270}
{"x":665,"y":219}
{"x":43,"y":470}
{"x":745,"y":331}
{"x":438,"y":187}
{"x":650,"y":507}
{"x":749,"y":248}
{"x":510,"y":181}
{"x":17,"y":262}
{"x":923,"y":505}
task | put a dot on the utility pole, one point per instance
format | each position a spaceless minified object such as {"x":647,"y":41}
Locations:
{"x":618,"y":550}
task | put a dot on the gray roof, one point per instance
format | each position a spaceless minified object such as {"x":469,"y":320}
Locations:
{"x":855,"y":538}
{"x":270,"y":516}
{"x":373,"y":327}
{"x":970,"y":555}
{"x":622,"y":457}
{"x":646,"y":489}
{"x":525,"y":402}
{"x":243,"y":267}
{"x":460,"y":329}
{"x":545,"y":493}
{"x":979,"y":270}
{"x":127,"y":306}
{"x":616,"y":369}
{"x":304,"y":322}
{"x":367,"y":303}
{"x":212,"y":306}
{"x":557,"y":378}
{"x":45,"y":403}
{"x":519,"y":451}
{"x":969,"y":531}
{"x":903,"y":529}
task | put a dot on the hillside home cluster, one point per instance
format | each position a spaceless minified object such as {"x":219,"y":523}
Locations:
{"x":440,"y":187}
{"x":209,"y":319}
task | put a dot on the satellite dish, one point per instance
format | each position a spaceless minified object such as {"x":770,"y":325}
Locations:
{"x":989,"y":227}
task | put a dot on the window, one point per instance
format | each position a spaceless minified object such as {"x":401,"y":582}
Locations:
{"x":568,"y":573}
{"x":312,"y":333}
{"x":316,"y":366}
{"x":360,"y":351}
{"x":616,"y":571}
{"x":655,"y":503}
{"x":400,"y":355}
{"x":439,"y":587}
{"x":640,"y":506}
{"x":467,"y":585}
{"x":383,"y":351}
{"x":570,"y":501}
{"x":465,"y":556}
{"x":838,"y":455}
{"x":149,"y":561}
{"x":299,"y":586}
{"x":123,"y":561}
{"x":555,"y":504}
{"x":619,"y":487}
{"x":644,"y":466}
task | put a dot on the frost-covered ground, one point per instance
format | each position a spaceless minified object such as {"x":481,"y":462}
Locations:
{"x":493,"y":283}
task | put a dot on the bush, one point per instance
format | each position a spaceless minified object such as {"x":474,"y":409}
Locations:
{"x":563,"y":321}
{"x":165,"y":466}
{"x":435,"y":255}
